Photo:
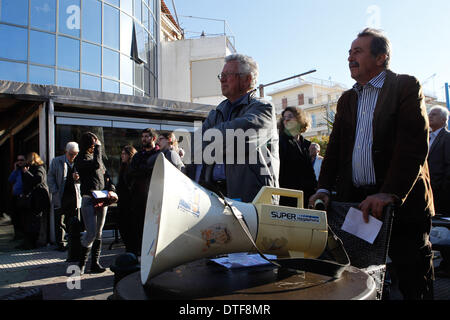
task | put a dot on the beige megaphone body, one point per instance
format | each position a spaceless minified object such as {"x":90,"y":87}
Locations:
{"x":185,"y":222}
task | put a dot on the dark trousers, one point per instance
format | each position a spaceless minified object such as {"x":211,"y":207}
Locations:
{"x":17,"y":217}
{"x":62,"y":218}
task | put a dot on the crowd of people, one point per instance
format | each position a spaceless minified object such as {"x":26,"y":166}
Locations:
{"x":379,"y":154}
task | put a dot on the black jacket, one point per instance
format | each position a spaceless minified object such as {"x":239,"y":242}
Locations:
{"x":92,"y":171}
{"x":296,"y":169}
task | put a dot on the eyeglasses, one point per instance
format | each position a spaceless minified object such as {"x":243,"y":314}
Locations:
{"x":223,"y":76}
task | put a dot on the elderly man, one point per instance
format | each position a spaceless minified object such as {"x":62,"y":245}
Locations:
{"x":316,"y":158}
{"x":63,"y":183}
{"x":377,"y":156}
{"x":439,"y":162}
{"x":245,"y":133}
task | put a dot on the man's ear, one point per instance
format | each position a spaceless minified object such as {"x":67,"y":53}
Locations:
{"x":381,"y":59}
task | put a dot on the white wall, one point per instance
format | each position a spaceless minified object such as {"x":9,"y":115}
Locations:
{"x":189,"y":69}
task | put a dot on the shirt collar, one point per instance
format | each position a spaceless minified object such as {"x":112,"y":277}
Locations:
{"x":239,"y":100}
{"x":376,"y":82}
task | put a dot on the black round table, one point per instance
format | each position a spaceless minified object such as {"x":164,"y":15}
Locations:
{"x":203,"y":279}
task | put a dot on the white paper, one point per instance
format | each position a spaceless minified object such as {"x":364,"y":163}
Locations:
{"x":245,"y":260}
{"x":355,"y":224}
{"x":100,"y":194}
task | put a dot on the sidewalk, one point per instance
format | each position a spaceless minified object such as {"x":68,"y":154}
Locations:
{"x":45,"y":268}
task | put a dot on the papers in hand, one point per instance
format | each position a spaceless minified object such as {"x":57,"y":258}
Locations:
{"x":355,"y":224}
{"x":100,"y":194}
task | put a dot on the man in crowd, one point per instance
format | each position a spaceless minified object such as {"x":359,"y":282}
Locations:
{"x":439,"y":162}
{"x":377,"y":156}
{"x":63,"y":183}
{"x":316,"y":158}
{"x":139,"y":175}
{"x":15,"y":178}
{"x":256,"y":164}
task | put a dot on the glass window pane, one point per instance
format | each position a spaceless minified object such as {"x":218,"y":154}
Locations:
{"x":42,"y":75}
{"x":68,"y":53}
{"x":110,"y":63}
{"x":14,"y":11}
{"x":91,"y":58}
{"x":137,"y":9}
{"x":126,"y":31}
{"x":126,"y":69}
{"x":145,"y":16}
{"x":43,"y":14}
{"x":113,"y":2}
{"x":110,"y":86}
{"x":138,"y":75}
{"x":42,"y":48}
{"x":92,"y":21}
{"x":127,"y":6}
{"x":111,"y":27}
{"x":151,"y":5}
{"x":69,"y":17}
{"x":16,"y":38}
{"x":68,"y":79}
{"x":90,"y":82}
{"x":151,"y":25}
{"x":124,"y":89}
{"x":13,"y":71}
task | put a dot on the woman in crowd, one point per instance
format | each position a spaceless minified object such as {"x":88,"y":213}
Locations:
{"x":93,"y":177}
{"x":123,"y":191}
{"x":34,"y":180}
{"x":296,"y":170}
{"x":169,"y":147}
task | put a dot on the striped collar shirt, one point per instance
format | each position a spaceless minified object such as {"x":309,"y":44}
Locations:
{"x":362,"y":163}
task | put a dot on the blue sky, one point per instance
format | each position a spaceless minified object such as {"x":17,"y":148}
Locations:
{"x":288,"y":37}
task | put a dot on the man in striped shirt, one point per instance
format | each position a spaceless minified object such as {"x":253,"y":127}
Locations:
{"x":377,"y":156}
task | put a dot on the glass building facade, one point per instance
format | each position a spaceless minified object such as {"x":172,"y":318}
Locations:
{"x":107,"y":45}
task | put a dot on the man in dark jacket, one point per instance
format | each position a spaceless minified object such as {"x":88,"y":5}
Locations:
{"x":139,"y":175}
{"x":377,"y":156}
{"x":250,"y":157}
{"x":439,"y":162}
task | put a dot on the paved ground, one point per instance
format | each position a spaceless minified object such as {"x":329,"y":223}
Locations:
{"x":46,"y":268}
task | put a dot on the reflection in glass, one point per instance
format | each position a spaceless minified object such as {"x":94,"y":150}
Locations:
{"x":13,"y":71}
{"x":68,"y":53}
{"x":43,"y":14}
{"x":91,"y":21}
{"x":151,"y":5}
{"x":69,"y":17}
{"x":124,"y":89}
{"x":89,"y":82}
{"x":113,"y":2}
{"x":16,"y":38}
{"x":126,"y":31}
{"x":138,"y":75}
{"x":110,"y":63}
{"x":110,"y":86}
{"x":144,"y":16}
{"x":42,"y":48}
{"x":126,"y":69}
{"x":68,"y":79}
{"x":137,"y":9}
{"x":127,"y":6}
{"x":111,"y":27}
{"x":42,"y":75}
{"x":91,"y":58}
{"x":14,"y":11}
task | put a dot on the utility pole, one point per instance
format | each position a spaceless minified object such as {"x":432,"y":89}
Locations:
{"x":262,"y":86}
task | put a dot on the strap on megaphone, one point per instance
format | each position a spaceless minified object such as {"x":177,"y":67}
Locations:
{"x":325,"y":267}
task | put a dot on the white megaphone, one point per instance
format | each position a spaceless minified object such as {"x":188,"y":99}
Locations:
{"x":185,"y":222}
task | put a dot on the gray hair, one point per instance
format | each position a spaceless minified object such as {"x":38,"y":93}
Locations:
{"x":72,"y":146}
{"x":443,"y":111}
{"x":380,"y":44}
{"x":247,"y":65}
{"x":315,"y":145}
